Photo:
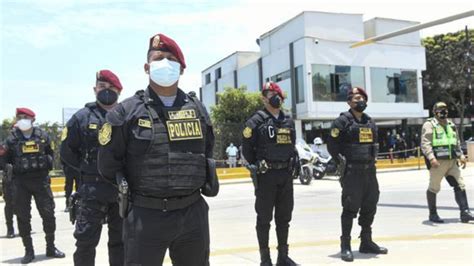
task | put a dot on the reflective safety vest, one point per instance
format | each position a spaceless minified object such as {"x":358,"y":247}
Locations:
{"x":444,"y":141}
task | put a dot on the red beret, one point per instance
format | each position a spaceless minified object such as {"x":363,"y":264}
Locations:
{"x":357,"y":90}
{"x":25,"y":111}
{"x":272,"y":86}
{"x":108,"y":76}
{"x":161,"y":42}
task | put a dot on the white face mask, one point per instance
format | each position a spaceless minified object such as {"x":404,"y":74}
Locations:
{"x":24,"y":124}
{"x":164,"y":72}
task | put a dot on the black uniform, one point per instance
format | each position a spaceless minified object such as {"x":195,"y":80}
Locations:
{"x":71,"y":177}
{"x":8,"y":190}
{"x":270,"y":139}
{"x":97,"y":196}
{"x":357,"y":142}
{"x":162,"y":151}
{"x":32,"y":159}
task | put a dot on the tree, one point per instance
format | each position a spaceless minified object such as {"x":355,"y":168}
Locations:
{"x":235,"y":106}
{"x":446,"y":76}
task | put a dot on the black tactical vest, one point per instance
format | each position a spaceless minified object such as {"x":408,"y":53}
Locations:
{"x":30,"y":155}
{"x":174,"y":163}
{"x":274,"y":139}
{"x":89,"y":128}
{"x":359,"y":140}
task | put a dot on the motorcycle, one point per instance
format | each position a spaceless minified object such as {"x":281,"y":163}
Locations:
{"x":324,"y":165}
{"x":307,"y":158}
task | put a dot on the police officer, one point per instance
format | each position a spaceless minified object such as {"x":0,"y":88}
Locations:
{"x":29,"y":151}
{"x":442,"y":149}
{"x":160,"y":139}
{"x":353,"y":142}
{"x":97,"y":202}
{"x":71,"y":178}
{"x":8,"y":190}
{"x":268,"y":143}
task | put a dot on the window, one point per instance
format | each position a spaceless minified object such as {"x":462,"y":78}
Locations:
{"x":208,"y":78}
{"x":299,"y":83}
{"x":281,"y":76}
{"x":331,"y":83}
{"x":218,"y":73}
{"x":391,"y":85}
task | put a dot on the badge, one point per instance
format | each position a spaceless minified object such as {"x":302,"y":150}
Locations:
{"x":92,"y":126}
{"x":30,"y":148}
{"x":64,"y":134}
{"x":365,"y":135}
{"x":144,"y":123}
{"x":105,"y":134}
{"x":247,"y":132}
{"x":335,"y":132}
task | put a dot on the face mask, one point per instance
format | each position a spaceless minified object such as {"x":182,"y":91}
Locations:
{"x":360,"y":107}
{"x":24,"y":124}
{"x":107,"y":97}
{"x":443,"y":114}
{"x":275,"y":101}
{"x":164,"y":72}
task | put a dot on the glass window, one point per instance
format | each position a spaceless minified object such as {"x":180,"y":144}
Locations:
{"x":218,"y":73}
{"x":331,"y":83}
{"x":208,"y":78}
{"x":391,"y":85}
{"x":281,"y":76}
{"x":299,"y":84}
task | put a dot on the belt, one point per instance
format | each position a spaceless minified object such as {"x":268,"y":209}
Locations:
{"x":361,"y":165}
{"x":93,"y":179}
{"x":166,"y":204}
{"x":277,"y":165}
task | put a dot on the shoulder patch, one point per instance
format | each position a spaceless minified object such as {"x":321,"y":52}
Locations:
{"x":335,"y":132}
{"x":247,"y":132}
{"x":64,"y":134}
{"x":105,"y":134}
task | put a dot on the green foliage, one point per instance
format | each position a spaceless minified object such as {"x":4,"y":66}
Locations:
{"x":234,"y":107}
{"x":446,"y":78}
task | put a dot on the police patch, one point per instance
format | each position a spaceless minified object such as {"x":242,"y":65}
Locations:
{"x":335,"y":132}
{"x":182,"y":114}
{"x":184,"y":129}
{"x":30,"y":148}
{"x":105,"y":134}
{"x":64,"y":134}
{"x":92,"y":126}
{"x":144,"y":123}
{"x":247,"y":132}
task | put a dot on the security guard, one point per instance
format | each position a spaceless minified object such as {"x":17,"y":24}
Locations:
{"x":353,"y":142}
{"x":157,"y":142}
{"x":97,"y":202}
{"x":29,"y":151}
{"x":268,"y":143}
{"x":442,"y":149}
{"x":8,"y":190}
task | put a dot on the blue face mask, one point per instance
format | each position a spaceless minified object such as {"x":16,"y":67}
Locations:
{"x":165,"y":72}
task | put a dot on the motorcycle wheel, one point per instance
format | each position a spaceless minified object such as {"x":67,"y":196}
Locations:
{"x":305,"y":177}
{"x":318,"y":175}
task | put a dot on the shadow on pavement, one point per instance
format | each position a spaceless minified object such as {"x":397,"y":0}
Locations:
{"x":357,"y":256}
{"x":41,"y":257}
{"x":414,"y":206}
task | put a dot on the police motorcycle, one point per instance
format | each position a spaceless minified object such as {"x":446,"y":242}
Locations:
{"x":324,"y":164}
{"x":307,"y":158}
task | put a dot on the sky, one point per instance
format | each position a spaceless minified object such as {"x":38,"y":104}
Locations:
{"x":50,"y":50}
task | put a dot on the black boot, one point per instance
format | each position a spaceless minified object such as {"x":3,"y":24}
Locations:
{"x":51,"y":250}
{"x":29,"y":252}
{"x":283,"y":259}
{"x":367,"y":245}
{"x":10,"y":231}
{"x":431,"y":198}
{"x":461,"y":199}
{"x":346,"y":252}
{"x":265,"y":259}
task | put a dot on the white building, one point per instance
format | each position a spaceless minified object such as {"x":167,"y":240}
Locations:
{"x":309,"y":57}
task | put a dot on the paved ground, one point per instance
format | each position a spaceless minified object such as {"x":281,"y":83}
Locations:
{"x":401,"y":225}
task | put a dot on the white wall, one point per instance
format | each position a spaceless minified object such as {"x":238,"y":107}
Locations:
{"x":379,"y":26}
{"x":248,"y":76}
{"x":332,"y":26}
